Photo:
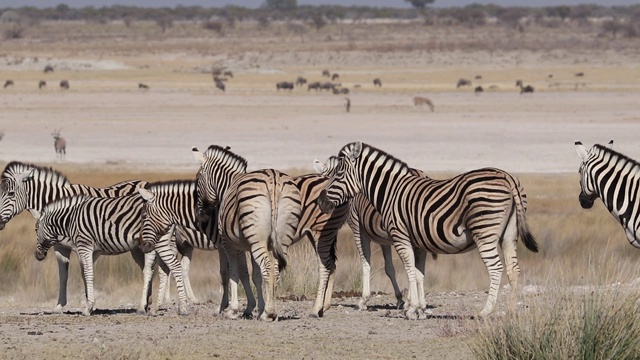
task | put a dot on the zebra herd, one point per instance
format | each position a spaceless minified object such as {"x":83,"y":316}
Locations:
{"x":264,"y":212}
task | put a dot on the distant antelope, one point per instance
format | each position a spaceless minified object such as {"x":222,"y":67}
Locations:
{"x":580,"y":74}
{"x":463,"y":82}
{"x":42,"y":84}
{"x":347,"y":105}
{"x":64,"y":84}
{"x":143,"y":86}
{"x":478,"y":90}
{"x":48,"y":69}
{"x":419,"y":101}
{"x":326,"y":73}
{"x":377,"y":82}
{"x":59,"y":143}
{"x":220,"y":85}
{"x":8,"y":83}
{"x":335,"y":76}
{"x":524,"y":89}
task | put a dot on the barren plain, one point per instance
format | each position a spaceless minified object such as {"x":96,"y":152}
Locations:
{"x":112,"y":126}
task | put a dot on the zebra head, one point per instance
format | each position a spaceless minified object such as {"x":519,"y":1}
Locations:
{"x":45,"y":235}
{"x":155,"y":223}
{"x":588,"y":192}
{"x":218,"y":166}
{"x":13,"y":195}
{"x":344,"y":183}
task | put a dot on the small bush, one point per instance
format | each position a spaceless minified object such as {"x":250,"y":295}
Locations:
{"x":13,"y":32}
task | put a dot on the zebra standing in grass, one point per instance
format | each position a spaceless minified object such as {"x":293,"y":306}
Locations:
{"x":483,"y":208}
{"x":612,"y":177}
{"x":173,"y":203}
{"x":367,"y":225}
{"x":93,"y":226}
{"x":259,"y":212}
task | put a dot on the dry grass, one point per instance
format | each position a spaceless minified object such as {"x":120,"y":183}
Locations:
{"x":576,"y":245}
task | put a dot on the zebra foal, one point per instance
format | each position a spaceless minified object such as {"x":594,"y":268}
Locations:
{"x":258,"y":212}
{"x":615,"y":179}
{"x":483,"y":208}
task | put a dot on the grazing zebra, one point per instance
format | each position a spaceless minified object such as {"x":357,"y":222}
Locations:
{"x":27,"y":186}
{"x":259,"y":212}
{"x":92,"y":226}
{"x":8,"y":83}
{"x":42,"y":84}
{"x":482,"y":208}
{"x":172,"y":203}
{"x":377,"y":82}
{"x":64,"y":84}
{"x":612,"y":177}
{"x":419,"y":101}
{"x":367,"y":225}
{"x":59,"y":143}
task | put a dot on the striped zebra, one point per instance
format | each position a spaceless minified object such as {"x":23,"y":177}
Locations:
{"x":259,"y":212}
{"x":173,"y":204}
{"x":367,"y":225}
{"x":482,"y":208}
{"x":612,"y":177}
{"x":31,"y":187}
{"x":92,"y":226}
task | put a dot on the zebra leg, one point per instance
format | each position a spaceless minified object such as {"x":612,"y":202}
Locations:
{"x":488,"y":248}
{"x":163,"y":289}
{"x":509,"y":251}
{"x":390,"y":270}
{"x":86,"y":258}
{"x":146,"y":262}
{"x":256,"y":276}
{"x":167,"y":251}
{"x":421,"y":260}
{"x":326,"y":265}
{"x":187,"y":254}
{"x":232,"y":256}
{"x":405,"y":251}
{"x":62,"y":256}
{"x":246,"y":284}
{"x":363,"y":244}
{"x":224,"y":280}
{"x":263,"y":257}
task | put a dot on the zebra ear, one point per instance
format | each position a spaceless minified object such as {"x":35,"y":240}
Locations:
{"x":24,"y":176}
{"x":197,"y":155}
{"x":147,"y":195}
{"x":610,"y":144}
{"x":581,"y":151}
{"x":319,"y":166}
{"x":356,"y":151}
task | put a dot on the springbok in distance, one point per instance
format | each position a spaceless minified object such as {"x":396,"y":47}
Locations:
{"x":48,"y":69}
{"x":326,"y":73}
{"x":524,"y":89}
{"x":463,"y":82}
{"x":143,"y":86}
{"x":8,"y":83}
{"x":419,"y":101}
{"x":42,"y":84}
{"x":64,"y":84}
{"x":377,"y":82}
{"x":347,"y":106}
{"x":59,"y":143}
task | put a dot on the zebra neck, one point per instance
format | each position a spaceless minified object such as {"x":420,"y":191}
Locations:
{"x":43,"y":192}
{"x":379,"y":182}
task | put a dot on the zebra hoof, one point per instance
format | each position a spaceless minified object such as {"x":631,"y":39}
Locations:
{"x":411,"y":313}
{"x":362,"y":305}
{"x":231,"y":314}
{"x":183,"y":310}
{"x":58,"y":309}
{"x":400,"y":304}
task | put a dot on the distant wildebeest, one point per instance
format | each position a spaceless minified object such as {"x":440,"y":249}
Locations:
{"x":42,"y":84}
{"x":326,"y":73}
{"x":284,"y":85}
{"x":347,"y":104}
{"x":64,"y":84}
{"x":327,"y":86}
{"x":335,"y":76}
{"x":8,"y":83}
{"x":524,"y":89}
{"x":478,"y":90}
{"x":314,"y":85}
{"x":344,"y":91}
{"x":550,"y":76}
{"x":301,"y":81}
{"x":220,"y":85}
{"x":463,"y":82}
{"x":478,"y":77}
{"x":48,"y":69}
{"x":143,"y":86}
{"x":419,"y":101}
{"x":228,"y":73}
{"x":377,"y":82}
{"x":580,"y":74}
{"x":59,"y":143}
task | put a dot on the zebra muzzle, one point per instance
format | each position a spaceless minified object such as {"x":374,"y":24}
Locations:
{"x":585,"y":202}
{"x":2,"y":224}
{"x":40,"y":253}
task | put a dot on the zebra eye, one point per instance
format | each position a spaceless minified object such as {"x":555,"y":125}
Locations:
{"x":11,"y":193}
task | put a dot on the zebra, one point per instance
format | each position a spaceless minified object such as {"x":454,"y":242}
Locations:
{"x":172,"y":203}
{"x":259,"y":212}
{"x":367,"y":225}
{"x":612,"y":177}
{"x":93,"y":226}
{"x":482,"y":208}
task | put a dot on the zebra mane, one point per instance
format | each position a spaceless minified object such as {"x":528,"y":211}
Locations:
{"x":15,"y":168}
{"x":368,"y":149}
{"x":224,"y":154}
{"x":65,"y":203}
{"x":614,"y":155}
{"x":169,"y":185}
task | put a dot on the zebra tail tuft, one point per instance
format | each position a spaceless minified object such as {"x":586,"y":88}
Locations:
{"x":519,"y":198}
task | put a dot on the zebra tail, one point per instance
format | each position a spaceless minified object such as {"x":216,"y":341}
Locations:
{"x":519,"y":197}
{"x":275,"y":194}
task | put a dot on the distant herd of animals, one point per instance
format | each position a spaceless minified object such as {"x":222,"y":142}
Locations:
{"x":264,"y":212}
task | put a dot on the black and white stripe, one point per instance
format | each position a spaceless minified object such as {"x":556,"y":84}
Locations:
{"x":615,"y":179}
{"x":259,"y":212}
{"x":483,"y":208}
